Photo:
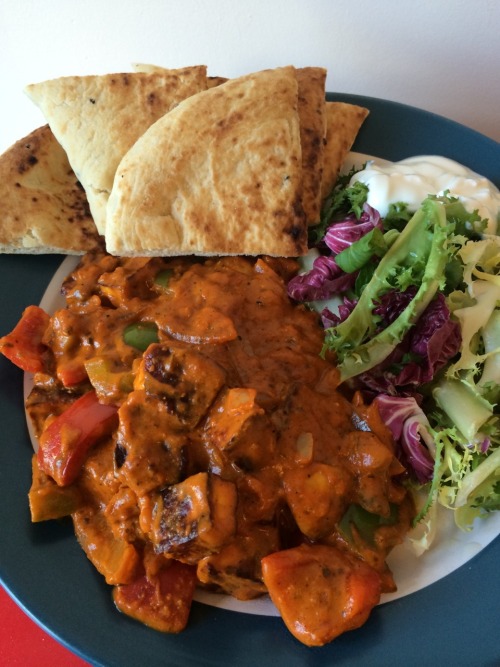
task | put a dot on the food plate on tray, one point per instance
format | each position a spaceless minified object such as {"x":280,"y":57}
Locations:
{"x":46,"y":572}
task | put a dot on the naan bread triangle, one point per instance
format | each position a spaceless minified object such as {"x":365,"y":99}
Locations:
{"x":212,"y":81}
{"x":343,"y":122}
{"x":311,"y":91}
{"x":98,"y":118}
{"x":43,"y":208}
{"x":221,"y":174}
{"x":311,"y":110}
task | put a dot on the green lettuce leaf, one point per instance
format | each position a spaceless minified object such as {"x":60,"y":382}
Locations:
{"x":360,"y":252}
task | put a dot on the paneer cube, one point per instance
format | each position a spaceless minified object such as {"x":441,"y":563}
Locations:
{"x":186,"y":381}
{"x":194,"y":518}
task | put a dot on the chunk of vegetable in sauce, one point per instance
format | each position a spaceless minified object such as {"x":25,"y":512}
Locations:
{"x":161,"y":602}
{"x":67,"y":438}
{"x":24,"y":345}
{"x":140,"y":335}
{"x":320,"y":591}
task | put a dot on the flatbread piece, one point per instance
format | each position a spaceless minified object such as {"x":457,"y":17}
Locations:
{"x":97,"y":119}
{"x":311,"y":108}
{"x":221,"y":174}
{"x":343,"y":122}
{"x":43,"y":208}
{"x":212,"y":81}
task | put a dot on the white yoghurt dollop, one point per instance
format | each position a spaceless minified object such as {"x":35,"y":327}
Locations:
{"x":413,"y":179}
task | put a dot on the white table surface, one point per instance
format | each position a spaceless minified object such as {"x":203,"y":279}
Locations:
{"x":439,"y":55}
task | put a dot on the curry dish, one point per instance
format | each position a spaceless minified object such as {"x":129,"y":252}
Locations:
{"x":189,"y":425}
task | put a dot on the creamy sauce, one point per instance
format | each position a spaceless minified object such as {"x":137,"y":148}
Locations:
{"x":413,"y":179}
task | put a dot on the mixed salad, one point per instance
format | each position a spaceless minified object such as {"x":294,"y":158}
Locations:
{"x":409,"y":295}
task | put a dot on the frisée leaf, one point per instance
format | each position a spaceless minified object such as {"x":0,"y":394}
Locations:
{"x":420,"y":254}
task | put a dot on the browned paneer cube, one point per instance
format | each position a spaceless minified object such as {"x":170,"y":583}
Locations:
{"x":148,"y":455}
{"x":194,"y":518}
{"x":239,"y":427}
{"x":318,"y":495}
{"x":186,"y":381}
{"x":230,"y":415}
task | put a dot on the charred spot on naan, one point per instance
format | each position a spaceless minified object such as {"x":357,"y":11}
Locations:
{"x":311,"y":110}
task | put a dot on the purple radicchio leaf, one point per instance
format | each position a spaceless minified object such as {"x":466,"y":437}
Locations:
{"x":410,"y":429}
{"x":485,"y":445}
{"x":391,"y":304}
{"x":331,"y":319}
{"x":326,"y":278}
{"x":426,"y":348}
{"x":340,"y":235}
{"x":322,"y":281}
{"x":435,"y":339}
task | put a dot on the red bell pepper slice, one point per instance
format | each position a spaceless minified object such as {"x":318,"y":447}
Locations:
{"x":23,"y":346}
{"x":161,"y":602}
{"x":66,"y":440}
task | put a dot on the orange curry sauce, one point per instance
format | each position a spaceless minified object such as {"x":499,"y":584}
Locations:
{"x":226,"y":459}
